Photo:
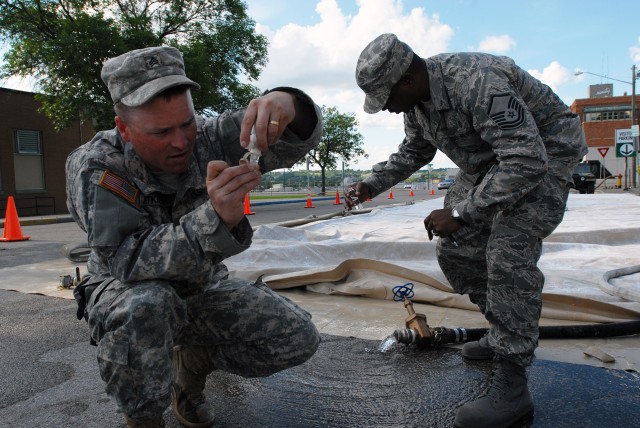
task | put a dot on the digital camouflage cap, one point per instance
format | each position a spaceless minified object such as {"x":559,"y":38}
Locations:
{"x":137,"y":76}
{"x":379,"y":68}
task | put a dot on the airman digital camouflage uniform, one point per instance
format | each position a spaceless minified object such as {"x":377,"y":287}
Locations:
{"x":516,"y":144}
{"x":157,"y":247}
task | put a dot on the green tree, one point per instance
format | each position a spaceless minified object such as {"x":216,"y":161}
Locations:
{"x":340,"y":139}
{"x":63,"y":44}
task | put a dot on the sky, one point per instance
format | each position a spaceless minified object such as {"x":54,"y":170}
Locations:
{"x":314,"y":46}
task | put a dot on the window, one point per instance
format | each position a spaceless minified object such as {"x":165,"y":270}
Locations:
{"x":27,"y":161}
{"x":606,"y":113}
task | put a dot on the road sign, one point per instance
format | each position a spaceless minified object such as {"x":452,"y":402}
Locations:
{"x":623,"y":136}
{"x":624,"y":150}
{"x":624,"y":143}
{"x":603,"y":151}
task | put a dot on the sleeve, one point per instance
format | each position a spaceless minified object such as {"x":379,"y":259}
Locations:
{"x":223,"y":133}
{"x":413,"y":153}
{"x":121,"y":234}
{"x":502,"y":119}
{"x":187,"y":251}
{"x":291,"y":148}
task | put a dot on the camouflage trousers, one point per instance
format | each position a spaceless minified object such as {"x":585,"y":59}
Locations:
{"x":496,"y":264}
{"x":245,"y":328}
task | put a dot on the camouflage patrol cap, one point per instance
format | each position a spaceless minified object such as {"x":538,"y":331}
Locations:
{"x":137,"y":76}
{"x":380,"y":66}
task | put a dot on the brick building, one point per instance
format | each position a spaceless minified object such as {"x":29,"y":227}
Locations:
{"x":601,"y":116}
{"x":33,"y":154}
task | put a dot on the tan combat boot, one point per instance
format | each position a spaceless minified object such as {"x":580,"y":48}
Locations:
{"x":144,"y":422}
{"x":506,"y":402}
{"x":190,"y":369}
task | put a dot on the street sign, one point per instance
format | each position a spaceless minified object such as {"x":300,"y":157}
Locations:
{"x":624,"y":136}
{"x":635,"y":130}
{"x":624,"y":143}
{"x":625,"y":150}
{"x":603,"y":151}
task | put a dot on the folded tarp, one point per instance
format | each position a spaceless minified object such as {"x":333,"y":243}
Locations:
{"x":369,"y":254}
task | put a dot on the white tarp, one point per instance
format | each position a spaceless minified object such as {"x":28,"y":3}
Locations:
{"x":369,"y":254}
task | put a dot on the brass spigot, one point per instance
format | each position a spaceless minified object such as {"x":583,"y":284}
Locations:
{"x":417,"y":322}
{"x":418,"y":332}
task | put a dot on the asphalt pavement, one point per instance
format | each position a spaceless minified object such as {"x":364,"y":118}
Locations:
{"x":49,"y":375}
{"x":49,"y":378}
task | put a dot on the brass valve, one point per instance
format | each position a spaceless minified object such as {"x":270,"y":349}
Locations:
{"x":417,"y":323}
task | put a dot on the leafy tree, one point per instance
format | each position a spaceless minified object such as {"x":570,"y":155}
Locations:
{"x":63,"y":43}
{"x":340,"y":139}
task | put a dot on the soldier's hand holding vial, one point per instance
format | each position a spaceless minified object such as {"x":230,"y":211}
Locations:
{"x":355,"y":195}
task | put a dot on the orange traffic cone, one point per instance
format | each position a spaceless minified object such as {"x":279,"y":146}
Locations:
{"x":247,"y":206}
{"x":309,"y":203}
{"x":337,"y":202}
{"x":12,"y":231}
{"x":433,"y":191}
{"x":411,"y":193}
{"x":390,"y":195}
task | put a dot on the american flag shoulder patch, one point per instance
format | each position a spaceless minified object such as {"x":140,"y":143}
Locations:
{"x":118,"y":186}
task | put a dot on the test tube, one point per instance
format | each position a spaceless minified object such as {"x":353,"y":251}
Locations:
{"x":354,"y":199}
{"x":254,"y":152}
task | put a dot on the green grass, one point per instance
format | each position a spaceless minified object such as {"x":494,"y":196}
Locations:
{"x":278,"y":196}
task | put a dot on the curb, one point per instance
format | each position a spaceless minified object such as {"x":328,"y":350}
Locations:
{"x":36,"y":221}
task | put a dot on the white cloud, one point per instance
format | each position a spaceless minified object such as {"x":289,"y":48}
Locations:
{"x":321,"y":59}
{"x":27,"y":84}
{"x":634,"y":53}
{"x":497,"y":44}
{"x":553,"y":75}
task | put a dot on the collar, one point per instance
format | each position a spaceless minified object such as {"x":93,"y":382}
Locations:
{"x":438,"y":91}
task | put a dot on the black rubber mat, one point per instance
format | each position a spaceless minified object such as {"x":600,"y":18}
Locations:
{"x":349,"y":383}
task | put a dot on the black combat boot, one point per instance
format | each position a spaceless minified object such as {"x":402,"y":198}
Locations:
{"x":190,"y":369}
{"x":506,"y":402}
{"x":478,"y":350}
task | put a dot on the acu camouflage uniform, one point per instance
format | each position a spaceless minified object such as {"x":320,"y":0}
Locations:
{"x":157,"y":249}
{"x":516,"y":144}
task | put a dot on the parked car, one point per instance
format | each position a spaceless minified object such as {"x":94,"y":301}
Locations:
{"x":445,"y":184}
{"x":584,"y":180}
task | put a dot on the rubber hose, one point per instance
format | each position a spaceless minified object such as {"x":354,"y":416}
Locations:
{"x":630,"y":293}
{"x":626,"y":328}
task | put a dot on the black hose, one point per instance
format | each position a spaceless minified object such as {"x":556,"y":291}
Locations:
{"x":627,"y":328}
{"x":585,"y":331}
{"x":445,"y":335}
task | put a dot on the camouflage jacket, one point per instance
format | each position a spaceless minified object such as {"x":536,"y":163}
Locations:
{"x":140,"y":229}
{"x":502,"y":127}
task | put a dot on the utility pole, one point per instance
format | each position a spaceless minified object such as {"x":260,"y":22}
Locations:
{"x":634,"y":121}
